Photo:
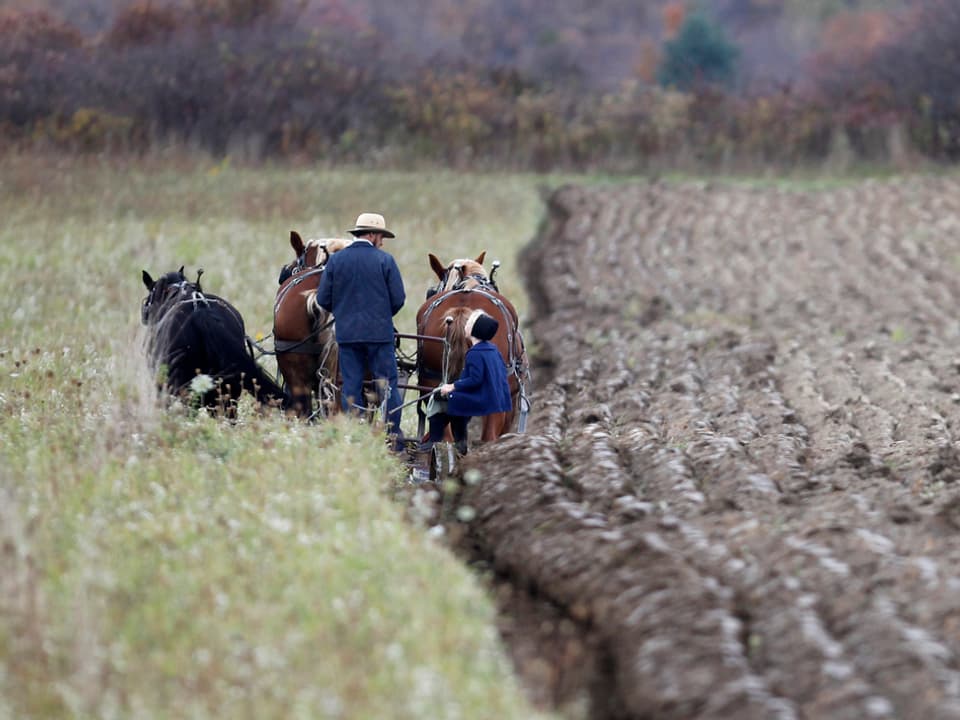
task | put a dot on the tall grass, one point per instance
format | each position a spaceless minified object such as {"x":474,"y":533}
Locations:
{"x":156,"y":562}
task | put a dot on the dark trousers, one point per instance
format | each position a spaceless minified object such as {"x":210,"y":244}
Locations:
{"x":379,"y":359}
{"x":458,"y":426}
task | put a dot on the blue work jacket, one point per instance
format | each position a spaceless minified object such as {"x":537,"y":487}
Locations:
{"x":482,"y":387}
{"x":362,"y":287}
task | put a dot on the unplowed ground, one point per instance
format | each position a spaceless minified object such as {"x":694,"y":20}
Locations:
{"x":738,"y":494}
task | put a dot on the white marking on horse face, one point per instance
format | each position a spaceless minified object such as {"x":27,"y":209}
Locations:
{"x":469,"y":266}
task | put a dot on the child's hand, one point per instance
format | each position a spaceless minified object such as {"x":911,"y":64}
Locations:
{"x":446,"y":389}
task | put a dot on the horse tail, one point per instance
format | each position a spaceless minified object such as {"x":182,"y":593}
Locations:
{"x":457,"y":342}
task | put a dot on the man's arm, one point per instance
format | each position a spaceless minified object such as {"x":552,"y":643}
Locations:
{"x":325,"y":289}
{"x":398,"y":295}
{"x":472,"y":375}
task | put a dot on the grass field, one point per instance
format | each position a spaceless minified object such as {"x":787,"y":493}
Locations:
{"x":158,"y":563}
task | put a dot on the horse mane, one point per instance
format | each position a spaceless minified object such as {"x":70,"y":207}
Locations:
{"x":159,"y":300}
{"x":317,"y":314}
{"x":471,"y":274}
{"x":460,"y":274}
{"x":332,"y":245}
{"x":328,"y":245}
{"x":318,"y":249}
{"x":458,"y":342}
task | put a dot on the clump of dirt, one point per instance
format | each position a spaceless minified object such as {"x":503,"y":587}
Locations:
{"x":737,"y":493}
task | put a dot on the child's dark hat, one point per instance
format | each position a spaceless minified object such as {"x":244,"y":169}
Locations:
{"x":484,"y":327}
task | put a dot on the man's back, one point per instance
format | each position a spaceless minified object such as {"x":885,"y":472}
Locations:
{"x":362,"y":287}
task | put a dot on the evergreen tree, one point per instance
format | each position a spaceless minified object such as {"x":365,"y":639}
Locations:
{"x":699,"y":54}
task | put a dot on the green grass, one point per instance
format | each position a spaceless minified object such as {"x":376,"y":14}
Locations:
{"x":159,"y":563}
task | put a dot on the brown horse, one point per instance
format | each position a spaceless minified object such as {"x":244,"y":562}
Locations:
{"x":464,"y":287}
{"x":303,"y":332}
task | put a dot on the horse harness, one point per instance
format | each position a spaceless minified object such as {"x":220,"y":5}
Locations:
{"x":196,"y":298}
{"x":482,"y":281}
{"x":307,"y":345}
{"x":515,"y":361}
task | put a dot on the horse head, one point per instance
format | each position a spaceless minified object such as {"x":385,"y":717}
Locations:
{"x":161,"y":292}
{"x":460,"y":274}
{"x":310,"y":254}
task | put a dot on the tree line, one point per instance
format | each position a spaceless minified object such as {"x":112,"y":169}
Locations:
{"x":276,"y":78}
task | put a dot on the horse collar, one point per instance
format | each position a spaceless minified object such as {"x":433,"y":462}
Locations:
{"x":292,"y":283}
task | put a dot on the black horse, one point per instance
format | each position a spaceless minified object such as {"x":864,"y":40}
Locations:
{"x":192,"y":334}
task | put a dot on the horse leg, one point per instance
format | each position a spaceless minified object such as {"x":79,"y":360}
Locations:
{"x":296,"y":374}
{"x":333,"y":379}
{"x":508,"y":421}
{"x":492,"y":426}
{"x":179,"y":370}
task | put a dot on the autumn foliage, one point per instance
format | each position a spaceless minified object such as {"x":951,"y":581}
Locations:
{"x":674,"y":14}
{"x":323,"y":80}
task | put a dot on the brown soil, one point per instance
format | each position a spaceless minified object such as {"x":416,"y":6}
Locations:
{"x":737,"y":496}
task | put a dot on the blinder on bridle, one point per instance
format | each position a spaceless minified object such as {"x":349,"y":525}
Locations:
{"x":431,"y":291}
{"x":169,"y":291}
{"x":483,"y":280}
{"x":151,"y":298}
{"x":295,"y":268}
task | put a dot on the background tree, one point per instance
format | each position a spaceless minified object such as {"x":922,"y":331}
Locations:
{"x":700,"y":54}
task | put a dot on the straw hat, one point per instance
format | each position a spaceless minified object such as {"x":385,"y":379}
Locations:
{"x":370,"y":222}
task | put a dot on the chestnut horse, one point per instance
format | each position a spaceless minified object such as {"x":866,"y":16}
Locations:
{"x":303,"y":332}
{"x":465,"y":286}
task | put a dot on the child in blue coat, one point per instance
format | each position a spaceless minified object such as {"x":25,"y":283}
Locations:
{"x":482,"y":387}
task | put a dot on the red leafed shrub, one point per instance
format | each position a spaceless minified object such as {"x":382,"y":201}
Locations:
{"x":27,"y":31}
{"x":143,"y":23}
{"x":39,"y":56}
{"x":235,"y":12}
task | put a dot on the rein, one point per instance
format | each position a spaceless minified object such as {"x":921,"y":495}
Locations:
{"x":293,"y":282}
{"x":306,"y":345}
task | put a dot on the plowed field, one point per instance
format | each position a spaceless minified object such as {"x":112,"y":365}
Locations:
{"x":738,"y":493}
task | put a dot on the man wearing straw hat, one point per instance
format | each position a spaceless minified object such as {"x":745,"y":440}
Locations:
{"x":362,"y":287}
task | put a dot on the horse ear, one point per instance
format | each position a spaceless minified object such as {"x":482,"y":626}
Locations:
{"x":147,"y":280}
{"x":180,"y":271}
{"x":438,"y":267}
{"x":296,"y":242}
{"x":480,"y":257}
